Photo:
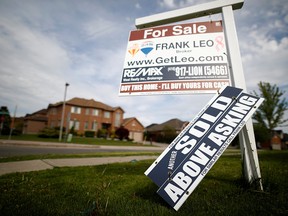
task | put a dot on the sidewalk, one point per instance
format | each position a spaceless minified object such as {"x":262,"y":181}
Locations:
{"x":37,"y":165}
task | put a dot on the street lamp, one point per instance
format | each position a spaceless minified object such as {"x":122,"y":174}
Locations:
{"x":63,"y":111}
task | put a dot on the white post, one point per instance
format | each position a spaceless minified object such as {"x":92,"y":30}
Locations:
{"x":247,"y":139}
{"x":63,"y":111}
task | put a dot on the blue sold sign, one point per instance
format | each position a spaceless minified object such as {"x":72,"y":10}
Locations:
{"x":185,"y":162}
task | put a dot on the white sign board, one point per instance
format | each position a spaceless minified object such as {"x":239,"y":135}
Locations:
{"x":177,"y":59}
{"x":185,"y":162}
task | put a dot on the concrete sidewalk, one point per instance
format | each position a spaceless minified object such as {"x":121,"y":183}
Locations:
{"x":37,"y":165}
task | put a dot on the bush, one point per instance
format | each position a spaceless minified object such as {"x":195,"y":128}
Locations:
{"x":102,"y":133}
{"x":89,"y":133}
{"x":49,"y":133}
{"x":122,"y":133}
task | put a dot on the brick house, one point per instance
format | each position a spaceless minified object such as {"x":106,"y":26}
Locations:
{"x":35,"y":122}
{"x":136,"y":129}
{"x":85,"y":115}
{"x":171,"y":128}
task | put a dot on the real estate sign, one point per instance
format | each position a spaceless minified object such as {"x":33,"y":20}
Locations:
{"x":176,"y":59}
{"x":185,"y":162}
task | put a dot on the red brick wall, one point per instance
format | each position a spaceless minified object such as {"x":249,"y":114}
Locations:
{"x":54,"y":119}
{"x":33,"y":127}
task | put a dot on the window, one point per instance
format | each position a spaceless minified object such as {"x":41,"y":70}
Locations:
{"x":94,"y":125}
{"x":75,"y":110}
{"x":95,"y":112}
{"x":117,"y":119}
{"x":87,"y":111}
{"x":86,"y":125}
{"x":53,"y":111}
{"x":74,"y":123}
{"x":106,"y":114}
{"x":53,"y":124}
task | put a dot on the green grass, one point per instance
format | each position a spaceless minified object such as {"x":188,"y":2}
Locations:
{"x":123,"y":189}
{"x":84,"y":155}
{"x":76,"y":140}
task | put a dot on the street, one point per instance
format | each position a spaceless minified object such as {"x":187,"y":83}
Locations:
{"x":21,"y":149}
{"x":17,"y":150}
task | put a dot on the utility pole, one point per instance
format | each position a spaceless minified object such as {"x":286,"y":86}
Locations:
{"x":63,"y":113}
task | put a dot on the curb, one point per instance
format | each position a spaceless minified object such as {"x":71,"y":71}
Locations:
{"x":48,"y":144}
{"x":38,"y":165}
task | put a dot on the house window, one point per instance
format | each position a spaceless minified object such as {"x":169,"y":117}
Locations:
{"x":76,"y":110}
{"x":106,"y":114}
{"x":87,"y":111}
{"x":95,"y":112}
{"x":86,"y":125}
{"x":74,"y":123}
{"x":53,"y":124}
{"x":53,"y":111}
{"x":94,"y":125}
{"x":117,"y":119}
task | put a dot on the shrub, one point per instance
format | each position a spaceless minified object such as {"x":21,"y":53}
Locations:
{"x":89,"y":133}
{"x":102,"y":133}
{"x":49,"y":133}
{"x":122,"y":133}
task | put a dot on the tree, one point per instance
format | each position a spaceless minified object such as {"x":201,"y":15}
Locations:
{"x":122,"y":133}
{"x":5,"y":121}
{"x":271,"y":112}
{"x":169,"y":134}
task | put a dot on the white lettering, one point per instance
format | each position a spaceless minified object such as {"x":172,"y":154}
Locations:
{"x":173,"y":192}
{"x":191,"y":168}
{"x":221,"y":103}
{"x":182,"y":180}
{"x":184,"y":143}
{"x":199,"y":128}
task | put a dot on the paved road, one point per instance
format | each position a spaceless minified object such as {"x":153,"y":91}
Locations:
{"x":19,"y":148}
{"x":12,"y":148}
{"x":16,"y":150}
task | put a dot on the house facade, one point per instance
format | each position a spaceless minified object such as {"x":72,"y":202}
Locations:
{"x":85,"y":115}
{"x":166,"y":131}
{"x":136,"y":129}
{"x":35,"y":122}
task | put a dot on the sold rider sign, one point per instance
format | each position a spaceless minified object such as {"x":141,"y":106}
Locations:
{"x":177,"y":59}
{"x":185,"y":162}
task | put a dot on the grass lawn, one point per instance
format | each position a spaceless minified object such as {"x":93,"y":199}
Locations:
{"x":123,"y":189}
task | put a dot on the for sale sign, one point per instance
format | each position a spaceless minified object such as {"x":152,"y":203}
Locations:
{"x":181,"y":167}
{"x":177,"y":59}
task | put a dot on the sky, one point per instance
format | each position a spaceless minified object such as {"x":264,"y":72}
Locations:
{"x":45,"y":44}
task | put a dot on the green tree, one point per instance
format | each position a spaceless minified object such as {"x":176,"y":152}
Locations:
{"x":169,"y":134}
{"x":5,"y":120}
{"x":271,"y":112}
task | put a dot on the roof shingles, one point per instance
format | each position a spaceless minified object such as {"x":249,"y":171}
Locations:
{"x":81,"y":102}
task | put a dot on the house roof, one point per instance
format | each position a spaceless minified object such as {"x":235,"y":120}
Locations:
{"x":36,"y":118}
{"x":40,"y":115}
{"x":128,"y":120}
{"x":89,"y":103}
{"x":174,"y":123}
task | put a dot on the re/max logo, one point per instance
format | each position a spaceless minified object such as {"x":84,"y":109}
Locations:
{"x":136,"y":72}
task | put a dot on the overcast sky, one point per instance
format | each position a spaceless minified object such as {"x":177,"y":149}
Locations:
{"x":44,"y":44}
